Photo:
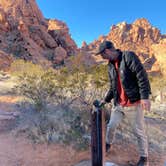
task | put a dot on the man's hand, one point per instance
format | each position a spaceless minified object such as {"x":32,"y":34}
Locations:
{"x":102,"y":103}
{"x":146,"y":104}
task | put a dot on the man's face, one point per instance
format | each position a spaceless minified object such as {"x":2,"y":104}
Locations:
{"x":110,"y":54}
{"x":105,"y":55}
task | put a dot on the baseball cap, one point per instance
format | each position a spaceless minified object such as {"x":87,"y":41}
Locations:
{"x":104,"y":45}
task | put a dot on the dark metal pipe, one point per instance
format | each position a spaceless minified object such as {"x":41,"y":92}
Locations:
{"x":98,"y":135}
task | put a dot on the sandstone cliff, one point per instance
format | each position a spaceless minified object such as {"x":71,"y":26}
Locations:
{"x":140,"y":37}
{"x":25,"y":33}
{"x":159,"y":50}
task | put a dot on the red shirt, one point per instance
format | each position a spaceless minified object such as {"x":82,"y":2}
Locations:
{"x":123,"y":99}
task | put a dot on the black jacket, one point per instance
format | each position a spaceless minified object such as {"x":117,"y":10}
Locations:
{"x":133,"y":77}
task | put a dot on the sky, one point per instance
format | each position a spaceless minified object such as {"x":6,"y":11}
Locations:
{"x":89,"y":19}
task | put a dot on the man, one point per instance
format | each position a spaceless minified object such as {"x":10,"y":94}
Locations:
{"x":130,"y":90}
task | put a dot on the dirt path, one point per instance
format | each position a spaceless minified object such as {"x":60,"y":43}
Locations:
{"x":20,"y":151}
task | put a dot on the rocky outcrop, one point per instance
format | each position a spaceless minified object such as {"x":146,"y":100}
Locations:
{"x":60,"y":32}
{"x":25,"y":33}
{"x":138,"y":37}
{"x":83,"y":58}
{"x":159,"y":50}
{"x":84,"y":45}
{"x":140,"y":33}
{"x":59,"y":51}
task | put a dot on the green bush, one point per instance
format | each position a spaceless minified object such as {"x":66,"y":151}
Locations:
{"x":157,"y":83}
{"x":62,"y":87}
{"x":34,"y":82}
{"x":21,"y":67}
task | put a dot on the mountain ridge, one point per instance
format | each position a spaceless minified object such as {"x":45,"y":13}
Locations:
{"x":140,"y":37}
{"x":26,"y":34}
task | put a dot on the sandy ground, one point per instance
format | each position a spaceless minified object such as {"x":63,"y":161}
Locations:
{"x":20,"y":151}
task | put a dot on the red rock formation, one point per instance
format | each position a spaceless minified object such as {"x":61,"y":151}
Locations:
{"x":60,"y":32}
{"x":84,"y":45}
{"x":137,"y":37}
{"x":25,"y":33}
{"x":159,"y":50}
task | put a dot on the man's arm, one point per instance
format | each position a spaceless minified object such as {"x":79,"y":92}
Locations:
{"x":143,"y":82}
{"x":109,"y":94}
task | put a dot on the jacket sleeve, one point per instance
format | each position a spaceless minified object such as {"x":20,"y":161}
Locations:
{"x":137,"y":68}
{"x":109,"y":94}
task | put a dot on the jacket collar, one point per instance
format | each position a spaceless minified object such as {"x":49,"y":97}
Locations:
{"x":119,"y":58}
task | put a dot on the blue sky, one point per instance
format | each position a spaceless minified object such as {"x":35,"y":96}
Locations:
{"x":88,"y":19}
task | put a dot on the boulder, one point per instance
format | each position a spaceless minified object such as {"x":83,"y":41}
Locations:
{"x":59,"y":55}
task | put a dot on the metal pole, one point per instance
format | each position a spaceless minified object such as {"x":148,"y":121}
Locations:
{"x":98,"y":136}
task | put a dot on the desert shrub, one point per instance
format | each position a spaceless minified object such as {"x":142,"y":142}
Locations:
{"x":90,"y":81}
{"x":99,"y":81}
{"x":21,"y":67}
{"x":157,"y":83}
{"x":63,"y":87}
{"x":65,"y":126}
{"x":158,"y":88}
{"x":34,"y":82}
{"x":69,"y":91}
